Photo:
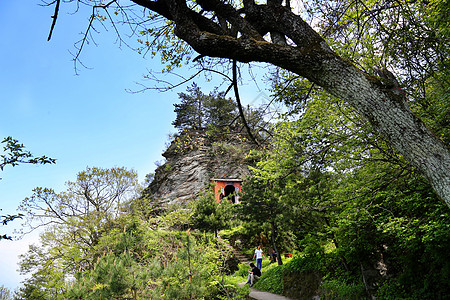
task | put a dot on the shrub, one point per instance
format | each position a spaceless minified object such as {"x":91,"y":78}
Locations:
{"x":271,"y":280}
{"x":337,"y":290}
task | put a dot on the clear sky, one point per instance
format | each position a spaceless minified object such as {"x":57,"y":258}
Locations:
{"x":81,"y":120}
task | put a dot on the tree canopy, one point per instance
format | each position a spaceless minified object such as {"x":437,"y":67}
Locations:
{"x":328,"y":181}
{"x":198,"y":110}
{"x":73,"y":222}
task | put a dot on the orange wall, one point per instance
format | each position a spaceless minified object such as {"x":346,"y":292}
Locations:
{"x":221,"y":185}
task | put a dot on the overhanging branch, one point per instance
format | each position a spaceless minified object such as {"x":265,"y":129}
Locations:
{"x":54,"y":17}
{"x":238,"y":100}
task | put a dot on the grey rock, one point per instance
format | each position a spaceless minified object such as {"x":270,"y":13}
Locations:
{"x":189,"y":168}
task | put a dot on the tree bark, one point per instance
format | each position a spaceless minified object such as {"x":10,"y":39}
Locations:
{"x":274,"y":244}
{"x":311,"y":57}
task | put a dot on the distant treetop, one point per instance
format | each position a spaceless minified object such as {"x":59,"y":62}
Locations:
{"x":198,"y":110}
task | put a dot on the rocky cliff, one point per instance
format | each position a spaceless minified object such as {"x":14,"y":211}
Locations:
{"x":192,"y":159}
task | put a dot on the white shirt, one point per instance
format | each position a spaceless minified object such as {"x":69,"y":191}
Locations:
{"x":258,"y":253}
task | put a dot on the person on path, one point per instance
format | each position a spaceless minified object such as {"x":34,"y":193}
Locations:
{"x":253,"y":274}
{"x":259,"y":257}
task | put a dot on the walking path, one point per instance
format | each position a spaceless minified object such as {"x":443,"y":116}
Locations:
{"x":260,"y":295}
{"x":254,"y":294}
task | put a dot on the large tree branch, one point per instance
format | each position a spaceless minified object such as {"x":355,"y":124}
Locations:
{"x":172,"y":13}
{"x":227,"y":12}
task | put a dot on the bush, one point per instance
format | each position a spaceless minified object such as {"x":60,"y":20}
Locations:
{"x":337,"y":290}
{"x":243,"y":271}
{"x":230,"y":288}
{"x":271,"y":280}
{"x":233,"y":234}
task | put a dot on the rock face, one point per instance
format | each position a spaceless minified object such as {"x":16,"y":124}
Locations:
{"x":192,"y":159}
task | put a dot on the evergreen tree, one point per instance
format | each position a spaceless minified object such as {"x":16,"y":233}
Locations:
{"x":209,"y":215}
{"x":198,"y":110}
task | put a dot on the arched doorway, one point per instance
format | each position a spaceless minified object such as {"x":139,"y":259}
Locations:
{"x":229,"y":189}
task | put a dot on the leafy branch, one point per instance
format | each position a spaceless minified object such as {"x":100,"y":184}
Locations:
{"x":15,"y":154}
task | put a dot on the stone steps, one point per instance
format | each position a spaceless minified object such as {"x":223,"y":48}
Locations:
{"x":239,"y":255}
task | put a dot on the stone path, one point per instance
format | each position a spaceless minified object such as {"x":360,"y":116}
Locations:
{"x":260,"y":295}
{"x":254,"y":294}
{"x":241,"y":257}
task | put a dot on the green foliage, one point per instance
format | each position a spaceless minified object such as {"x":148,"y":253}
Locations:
{"x":435,"y":108}
{"x":265,"y":213}
{"x":307,"y":263}
{"x":187,"y":141}
{"x":337,"y":290}
{"x":217,"y":116}
{"x":76,"y":220}
{"x":228,"y":234}
{"x":198,"y":110}
{"x":193,"y":271}
{"x":209,"y":215}
{"x":271,"y":280}
{"x":327,"y":187}
{"x":173,"y":52}
{"x":175,"y":217}
{"x":112,"y":277}
{"x":234,"y":236}
{"x":145,"y":208}
{"x":242,"y":272}
{"x":14,"y":154}
{"x":5,"y":293}
{"x":121,"y":268}
{"x":232,"y":151}
{"x":140,"y":263}
{"x":354,"y":202}
{"x":34,"y":289}
{"x":231,"y":290}
{"x":185,"y":279}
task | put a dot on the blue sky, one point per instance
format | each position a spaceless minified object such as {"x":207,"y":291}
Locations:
{"x":84,"y":120}
{"x":81,"y":120}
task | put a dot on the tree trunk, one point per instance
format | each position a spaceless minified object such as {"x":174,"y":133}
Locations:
{"x":310,"y":57}
{"x":274,"y":244}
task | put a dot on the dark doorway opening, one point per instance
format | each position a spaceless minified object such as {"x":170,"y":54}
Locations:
{"x":229,"y":190}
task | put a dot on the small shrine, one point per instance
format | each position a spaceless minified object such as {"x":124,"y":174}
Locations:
{"x":227,"y":188}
